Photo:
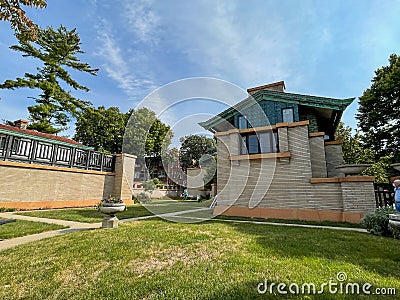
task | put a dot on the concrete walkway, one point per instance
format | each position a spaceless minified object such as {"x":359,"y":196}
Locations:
{"x":277,"y":224}
{"x":77,"y":226}
{"x":73,"y":226}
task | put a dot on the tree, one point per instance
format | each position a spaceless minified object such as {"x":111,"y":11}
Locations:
{"x":57,"y":49}
{"x":210,"y":165}
{"x":352,"y":148}
{"x":354,"y":152}
{"x":101,"y":128}
{"x":108,"y":129}
{"x":379,"y":112}
{"x":10,"y":10}
{"x":150,"y":185}
{"x":146,"y":135}
{"x":193,"y":147}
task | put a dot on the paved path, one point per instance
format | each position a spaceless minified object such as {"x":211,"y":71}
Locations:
{"x":73,"y":226}
{"x":277,"y":224}
{"x":77,"y":226}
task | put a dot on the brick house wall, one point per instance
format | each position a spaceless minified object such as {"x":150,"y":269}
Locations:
{"x":299,"y":182}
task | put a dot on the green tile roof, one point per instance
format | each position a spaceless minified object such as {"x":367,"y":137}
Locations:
{"x":43,"y":139}
{"x":304,"y":100}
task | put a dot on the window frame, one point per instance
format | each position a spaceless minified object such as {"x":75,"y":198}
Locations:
{"x":246,"y":121}
{"x":273,"y":143}
{"x":283,"y":114}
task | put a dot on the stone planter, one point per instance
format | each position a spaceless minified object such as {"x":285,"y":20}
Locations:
{"x":111,"y":209}
{"x":352,"y":169}
{"x":396,"y":166}
{"x":394,"y":224}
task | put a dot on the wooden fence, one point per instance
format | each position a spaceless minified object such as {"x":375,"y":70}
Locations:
{"x":384,"y":195}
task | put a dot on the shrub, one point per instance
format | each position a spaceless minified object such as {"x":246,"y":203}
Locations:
{"x":6,"y":209}
{"x":143,"y":198}
{"x":378,"y":222}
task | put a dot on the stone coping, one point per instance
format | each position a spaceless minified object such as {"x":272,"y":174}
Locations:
{"x":343,"y":179}
{"x":261,"y":156}
{"x":334,"y":143}
{"x":315,"y":134}
{"x":125,"y":155}
{"x":263,"y":128}
{"x":52,"y":168}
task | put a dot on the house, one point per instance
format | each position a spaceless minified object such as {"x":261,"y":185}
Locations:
{"x":277,"y":158}
{"x":170,"y":174}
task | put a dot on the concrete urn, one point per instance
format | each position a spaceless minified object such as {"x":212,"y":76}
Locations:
{"x":394,"y":224}
{"x":352,"y":169}
{"x":111,"y":208}
{"x":396,"y":166}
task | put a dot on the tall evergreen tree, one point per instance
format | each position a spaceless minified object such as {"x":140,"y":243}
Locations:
{"x":57,"y":49}
{"x":379,"y":112}
{"x":11,"y":10}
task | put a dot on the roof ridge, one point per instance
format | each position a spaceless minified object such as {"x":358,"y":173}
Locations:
{"x":266,"y":86}
{"x":35,"y":133}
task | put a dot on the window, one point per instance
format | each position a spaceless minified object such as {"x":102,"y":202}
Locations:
{"x":243,"y":149}
{"x":252,"y":144}
{"x":264,"y":142}
{"x":288,"y":115}
{"x":242,"y":122}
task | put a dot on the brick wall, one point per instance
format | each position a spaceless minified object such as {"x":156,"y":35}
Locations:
{"x":284,"y":184}
{"x":29,"y":186}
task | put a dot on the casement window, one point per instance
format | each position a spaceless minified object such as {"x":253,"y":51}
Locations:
{"x":242,"y":122}
{"x":263,"y":142}
{"x":288,"y":115}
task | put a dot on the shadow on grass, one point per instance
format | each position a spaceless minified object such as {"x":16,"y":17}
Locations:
{"x":373,"y":253}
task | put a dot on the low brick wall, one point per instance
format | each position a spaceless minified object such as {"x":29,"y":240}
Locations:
{"x":32,"y":186}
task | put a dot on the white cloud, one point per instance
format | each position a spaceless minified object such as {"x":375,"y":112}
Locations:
{"x":117,"y":67}
{"x":226,"y":44}
{"x":141,"y":19}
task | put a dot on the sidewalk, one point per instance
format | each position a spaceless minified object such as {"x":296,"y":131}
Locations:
{"x":73,"y":226}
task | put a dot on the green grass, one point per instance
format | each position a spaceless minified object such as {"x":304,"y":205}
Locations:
{"x":91,"y":215}
{"x":22,"y":228}
{"x":155,"y":259}
{"x":301,"y":222}
{"x":86,"y":215}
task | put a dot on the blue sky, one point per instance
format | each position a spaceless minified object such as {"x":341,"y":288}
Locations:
{"x":324,"y":48}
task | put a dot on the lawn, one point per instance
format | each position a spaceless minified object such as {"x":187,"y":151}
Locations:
{"x":156,"y":259}
{"x":22,"y":228}
{"x":92,"y":215}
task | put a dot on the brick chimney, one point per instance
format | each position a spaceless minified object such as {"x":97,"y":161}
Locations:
{"x":21,"y":124}
{"x":276,"y":87}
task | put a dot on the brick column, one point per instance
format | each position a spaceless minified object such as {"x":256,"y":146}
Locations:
{"x":124,"y":174}
{"x":318,"y":159}
{"x":334,"y":158}
{"x":358,"y":197}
